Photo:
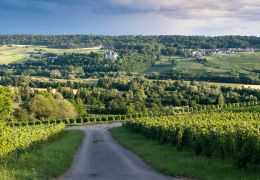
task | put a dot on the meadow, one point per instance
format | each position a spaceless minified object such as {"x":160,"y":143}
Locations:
{"x":242,"y":63}
{"x":17,"y":53}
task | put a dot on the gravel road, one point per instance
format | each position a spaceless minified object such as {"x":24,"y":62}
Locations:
{"x":101,"y":158}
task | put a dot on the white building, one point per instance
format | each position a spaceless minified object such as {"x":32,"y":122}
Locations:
{"x":112,"y":55}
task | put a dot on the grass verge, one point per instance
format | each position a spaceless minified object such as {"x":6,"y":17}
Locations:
{"x":42,"y":161}
{"x":168,"y":160}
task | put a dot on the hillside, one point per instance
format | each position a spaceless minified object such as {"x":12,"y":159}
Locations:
{"x":18,"y":53}
{"x":220,"y":68}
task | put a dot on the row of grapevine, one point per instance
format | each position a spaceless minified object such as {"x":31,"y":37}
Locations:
{"x":75,"y":121}
{"x":12,"y":139}
{"x":112,"y":118}
{"x":224,"y":134}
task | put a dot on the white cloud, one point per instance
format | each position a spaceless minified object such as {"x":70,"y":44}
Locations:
{"x":188,"y":17}
{"x":235,"y":9}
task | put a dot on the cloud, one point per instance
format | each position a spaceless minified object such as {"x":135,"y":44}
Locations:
{"x":126,"y":16}
{"x":202,"y":9}
{"x":176,"y":9}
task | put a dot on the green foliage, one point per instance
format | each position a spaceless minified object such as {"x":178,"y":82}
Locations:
{"x":221,"y":100}
{"x":15,"y":139}
{"x":137,"y":95}
{"x":21,"y":114}
{"x":137,"y":43}
{"x":80,"y":107}
{"x":66,"y":110}
{"x":45,"y":106}
{"x":6,"y":102}
{"x":229,"y":135}
{"x":44,"y":160}
{"x":169,"y":160}
{"x":121,"y":96}
{"x":236,"y":68}
{"x":136,"y":54}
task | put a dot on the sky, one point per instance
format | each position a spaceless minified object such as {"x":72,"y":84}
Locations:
{"x":136,"y":17}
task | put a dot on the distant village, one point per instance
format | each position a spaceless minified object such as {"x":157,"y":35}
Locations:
{"x":223,"y":51}
{"x":111,"y":54}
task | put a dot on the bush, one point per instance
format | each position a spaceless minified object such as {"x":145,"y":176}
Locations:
{"x":44,"y":106}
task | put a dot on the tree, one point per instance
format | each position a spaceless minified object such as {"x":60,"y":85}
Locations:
{"x":80,"y":107}
{"x":55,"y":73}
{"x":221,"y":100}
{"x":43,"y":106}
{"x":117,"y":106}
{"x":131,"y":109}
{"x":21,"y":114}
{"x":6,"y":103}
{"x":66,"y":110}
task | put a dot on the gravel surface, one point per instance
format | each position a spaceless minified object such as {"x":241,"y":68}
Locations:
{"x":101,"y":158}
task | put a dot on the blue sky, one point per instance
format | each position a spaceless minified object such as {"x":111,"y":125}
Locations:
{"x":117,"y":17}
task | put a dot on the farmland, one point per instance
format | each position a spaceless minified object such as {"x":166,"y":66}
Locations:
{"x":243,"y":62}
{"x":208,"y":134}
{"x":168,"y":159}
{"x":239,"y":63}
{"x":129,"y":90}
{"x":18,"y":53}
{"x":212,"y":145}
{"x":211,"y":68}
{"x":187,"y":116}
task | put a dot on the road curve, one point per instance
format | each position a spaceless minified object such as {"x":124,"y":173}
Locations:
{"x":101,"y":158}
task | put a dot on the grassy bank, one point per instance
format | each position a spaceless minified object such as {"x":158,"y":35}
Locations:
{"x":42,"y":161}
{"x":167,"y":159}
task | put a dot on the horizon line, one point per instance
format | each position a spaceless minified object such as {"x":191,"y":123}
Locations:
{"x":117,"y":35}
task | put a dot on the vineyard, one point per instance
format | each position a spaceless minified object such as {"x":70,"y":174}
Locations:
{"x":224,"y":134}
{"x":15,"y":139}
{"x":96,"y":119}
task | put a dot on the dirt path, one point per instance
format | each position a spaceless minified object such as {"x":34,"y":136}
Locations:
{"x":101,"y":158}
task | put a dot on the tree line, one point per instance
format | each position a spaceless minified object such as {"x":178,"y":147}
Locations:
{"x":115,"y":97}
{"x":133,"y":42}
{"x":128,"y":96}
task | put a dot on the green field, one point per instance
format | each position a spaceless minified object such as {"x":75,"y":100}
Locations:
{"x":164,"y":65}
{"x":244,"y":63}
{"x":14,"y":53}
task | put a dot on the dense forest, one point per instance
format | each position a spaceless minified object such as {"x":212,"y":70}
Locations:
{"x":253,"y":78}
{"x":132,"y":42}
